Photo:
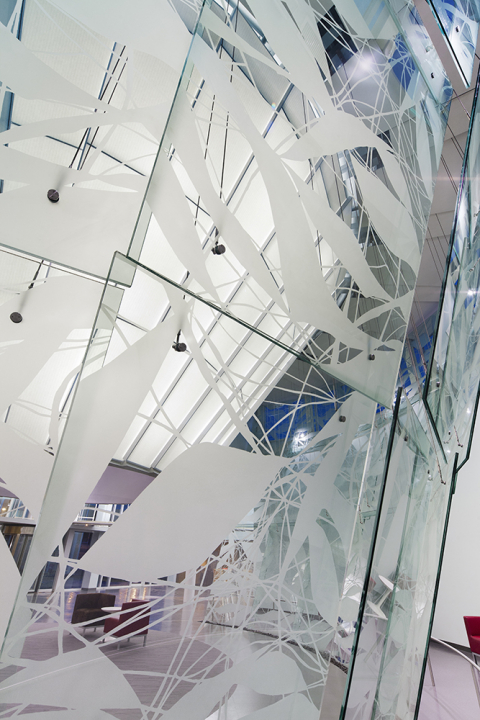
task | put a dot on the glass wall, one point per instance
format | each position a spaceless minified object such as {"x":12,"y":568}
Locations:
{"x":458,"y":20}
{"x":453,"y":379}
{"x":247,"y":348}
{"x":392,"y":642}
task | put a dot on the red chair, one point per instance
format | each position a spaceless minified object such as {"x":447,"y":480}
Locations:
{"x":133,"y":622}
{"x":472,"y":626}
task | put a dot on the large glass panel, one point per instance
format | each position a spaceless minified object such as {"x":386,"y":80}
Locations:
{"x":46,"y":318}
{"x":458,"y":20}
{"x":437,"y":582}
{"x":84,"y":97}
{"x":393,"y":631}
{"x":454,"y":372}
{"x":245,"y":354}
{"x":418,"y":41}
{"x":304,"y":140}
{"x":238,"y":549}
{"x":357,"y":572}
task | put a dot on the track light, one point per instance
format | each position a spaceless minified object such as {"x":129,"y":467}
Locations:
{"x":177,"y":345}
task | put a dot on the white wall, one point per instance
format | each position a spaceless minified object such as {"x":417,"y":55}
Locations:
{"x":459,"y":592}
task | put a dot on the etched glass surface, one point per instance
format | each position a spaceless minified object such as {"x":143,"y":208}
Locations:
{"x":454,"y":371}
{"x":85,"y":93}
{"x":458,"y":20}
{"x":243,"y":550}
{"x":394,"y":626}
{"x":244,"y":355}
{"x":309,"y":153}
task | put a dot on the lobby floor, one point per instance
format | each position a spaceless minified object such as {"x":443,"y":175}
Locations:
{"x":453,"y":696}
{"x":181,"y":650}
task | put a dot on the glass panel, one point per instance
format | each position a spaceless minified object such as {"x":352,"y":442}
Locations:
{"x":458,"y":20}
{"x":245,"y":533}
{"x":40,"y":358}
{"x":88,"y":95}
{"x":416,"y":357}
{"x":437,"y":582}
{"x":393,"y":632}
{"x":357,"y":562}
{"x":287,"y":126}
{"x":419,"y":43}
{"x":454,"y":371}
{"x":240,"y":352}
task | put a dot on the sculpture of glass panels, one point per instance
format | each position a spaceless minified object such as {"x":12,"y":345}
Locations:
{"x":245,"y":352}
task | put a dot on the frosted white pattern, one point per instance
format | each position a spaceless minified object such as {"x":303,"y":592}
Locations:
{"x":330,"y":158}
{"x":304,"y":139}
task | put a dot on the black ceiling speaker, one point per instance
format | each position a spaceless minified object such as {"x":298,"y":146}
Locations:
{"x":177,"y":345}
{"x":15,"y":317}
{"x":53,"y":196}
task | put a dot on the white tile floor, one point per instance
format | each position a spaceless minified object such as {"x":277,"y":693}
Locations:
{"x":453,"y":697}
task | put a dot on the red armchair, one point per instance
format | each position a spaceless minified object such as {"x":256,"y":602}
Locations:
{"x":472,"y":626}
{"x":133,"y":622}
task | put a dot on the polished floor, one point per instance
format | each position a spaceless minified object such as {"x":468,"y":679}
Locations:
{"x":453,"y":696}
{"x":182,"y":650}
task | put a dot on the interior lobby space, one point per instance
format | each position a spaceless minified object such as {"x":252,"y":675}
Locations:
{"x":239,"y":359}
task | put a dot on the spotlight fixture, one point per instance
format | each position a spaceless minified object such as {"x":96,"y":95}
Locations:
{"x":177,"y":345}
{"x":371,"y":356}
{"x":53,"y":196}
{"x":15,"y":317}
{"x":342,"y":418}
{"x":218,"y":249}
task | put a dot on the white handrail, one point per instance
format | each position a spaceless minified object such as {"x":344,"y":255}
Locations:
{"x":450,"y":647}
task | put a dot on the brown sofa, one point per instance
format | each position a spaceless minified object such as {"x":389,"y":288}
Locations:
{"x":88,"y":607}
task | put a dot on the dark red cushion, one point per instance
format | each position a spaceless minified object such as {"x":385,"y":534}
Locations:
{"x":474,"y":641}
{"x":137,"y":621}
